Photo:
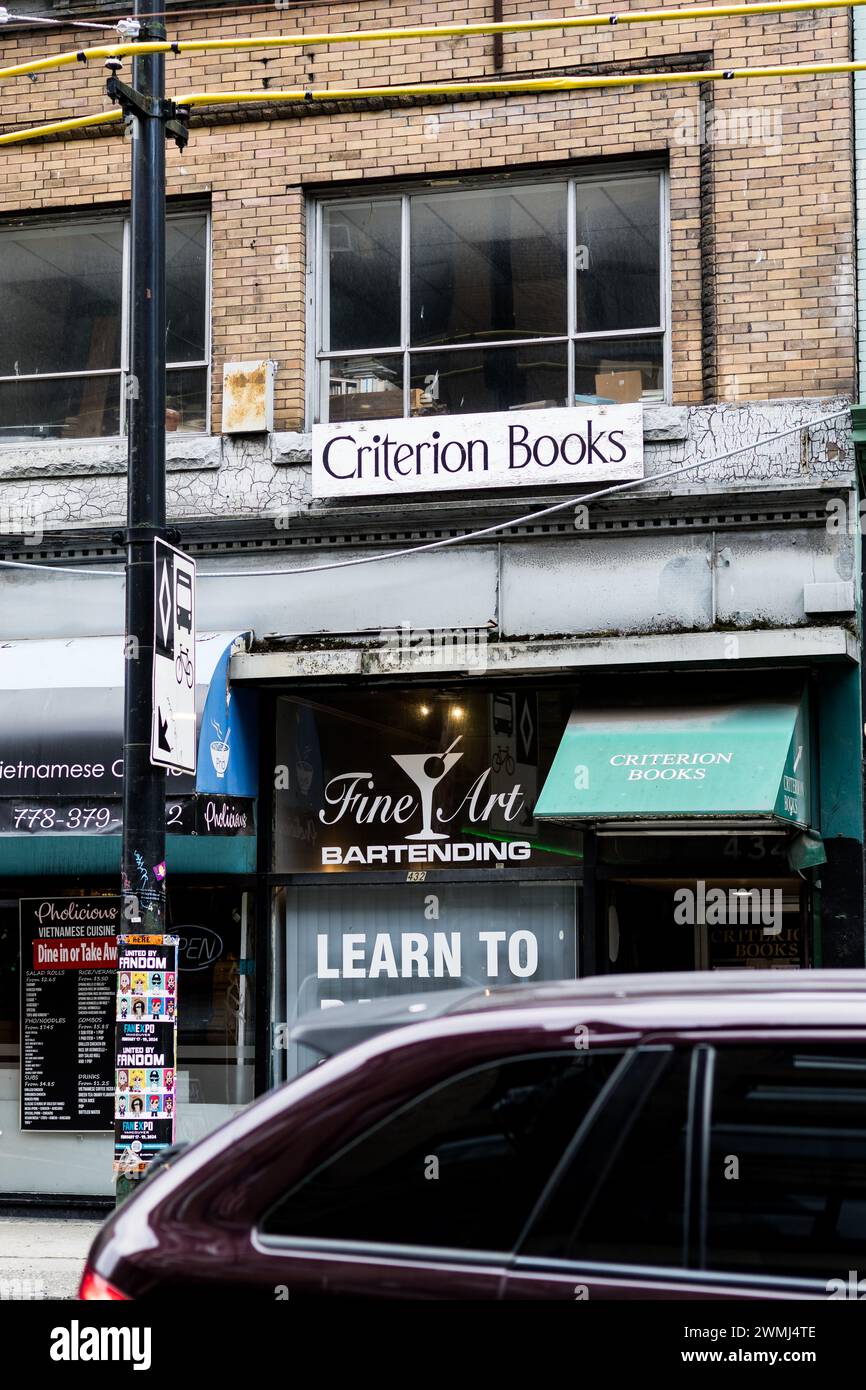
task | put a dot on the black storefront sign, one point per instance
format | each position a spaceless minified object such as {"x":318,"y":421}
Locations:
{"x":68,"y":965}
{"x":191,"y":815}
{"x":419,"y":780}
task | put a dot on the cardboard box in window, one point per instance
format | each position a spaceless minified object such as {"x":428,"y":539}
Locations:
{"x":624,"y":387}
{"x":366,"y":405}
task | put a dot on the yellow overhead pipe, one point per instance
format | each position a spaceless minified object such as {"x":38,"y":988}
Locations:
{"x":528,"y":84}
{"x":57,"y":127}
{"x":299,"y":95}
{"x":426,"y":31}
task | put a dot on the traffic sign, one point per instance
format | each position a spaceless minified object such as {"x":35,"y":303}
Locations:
{"x":173,"y":732}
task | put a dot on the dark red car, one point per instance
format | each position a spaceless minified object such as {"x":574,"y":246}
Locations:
{"x":654,"y":1136}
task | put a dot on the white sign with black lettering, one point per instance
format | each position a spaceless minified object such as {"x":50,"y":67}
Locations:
{"x":452,"y":453}
{"x":173,"y":731}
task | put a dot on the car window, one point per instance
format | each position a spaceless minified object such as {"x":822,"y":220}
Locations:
{"x":786,"y":1185}
{"x":622,"y":1197}
{"x":460,"y":1167}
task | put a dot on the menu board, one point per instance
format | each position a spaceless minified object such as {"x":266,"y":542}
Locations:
{"x":68,"y":964}
{"x":145,"y":1050}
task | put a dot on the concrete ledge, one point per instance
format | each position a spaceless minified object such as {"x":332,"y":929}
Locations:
{"x":88,"y":459}
{"x":791,"y":646}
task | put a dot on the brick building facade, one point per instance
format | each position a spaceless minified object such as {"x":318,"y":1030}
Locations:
{"x":332,"y":241}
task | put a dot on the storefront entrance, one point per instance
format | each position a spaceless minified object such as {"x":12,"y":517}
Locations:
{"x":701,"y":924}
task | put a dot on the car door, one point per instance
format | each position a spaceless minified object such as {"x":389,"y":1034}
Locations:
{"x":429,"y":1202}
{"x":733,"y":1171}
{"x":614,"y":1221}
{"x":784,"y":1168}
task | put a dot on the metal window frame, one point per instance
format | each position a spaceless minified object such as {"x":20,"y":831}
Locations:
{"x":57,"y":224}
{"x":318,"y":357}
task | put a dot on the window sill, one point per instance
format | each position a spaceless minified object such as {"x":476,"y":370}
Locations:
{"x":199,"y":452}
{"x":95,"y":457}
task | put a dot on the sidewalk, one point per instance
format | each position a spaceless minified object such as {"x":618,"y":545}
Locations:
{"x":42,"y":1254}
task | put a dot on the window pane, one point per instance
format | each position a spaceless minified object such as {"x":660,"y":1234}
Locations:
{"x":61,"y":294}
{"x":622,"y":1200}
{"x":186,"y":288}
{"x":488,"y":265}
{"x":794,"y":1118}
{"x":637,"y":1215}
{"x":617,"y":255}
{"x":216,"y":1027}
{"x":364,"y":388}
{"x":362,"y":257}
{"x":497,"y":1132}
{"x":618,"y":369}
{"x":458,"y":383}
{"x":186,"y":401}
{"x":69,"y":408}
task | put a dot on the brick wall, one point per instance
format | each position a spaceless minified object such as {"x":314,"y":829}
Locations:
{"x":762,"y":235}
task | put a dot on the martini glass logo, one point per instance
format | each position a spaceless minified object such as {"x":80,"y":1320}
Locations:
{"x":426,"y":770}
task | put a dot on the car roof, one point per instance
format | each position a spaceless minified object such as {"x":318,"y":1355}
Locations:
{"x":684,"y":1000}
{"x":743,"y":981}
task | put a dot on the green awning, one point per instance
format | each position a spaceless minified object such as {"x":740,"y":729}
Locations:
{"x":68,"y":855}
{"x":714,"y":761}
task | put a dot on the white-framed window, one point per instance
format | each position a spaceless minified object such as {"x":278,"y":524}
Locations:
{"x":491,"y":296}
{"x":64,"y":345}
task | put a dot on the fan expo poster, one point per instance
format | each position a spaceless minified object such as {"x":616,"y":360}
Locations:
{"x":145,"y":1050}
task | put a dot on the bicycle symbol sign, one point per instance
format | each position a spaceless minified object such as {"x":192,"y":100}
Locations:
{"x":173,"y":725}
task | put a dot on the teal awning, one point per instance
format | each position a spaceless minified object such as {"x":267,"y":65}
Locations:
{"x":67,"y":855}
{"x":714,"y":761}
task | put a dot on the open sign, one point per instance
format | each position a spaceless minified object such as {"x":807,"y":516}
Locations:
{"x":198,"y":947}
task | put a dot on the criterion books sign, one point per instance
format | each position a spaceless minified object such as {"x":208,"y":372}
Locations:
{"x":145,"y":1050}
{"x":456,"y":453}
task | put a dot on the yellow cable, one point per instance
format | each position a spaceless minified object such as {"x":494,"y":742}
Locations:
{"x":431,"y":31}
{"x":529,"y":84}
{"x":55,"y":127}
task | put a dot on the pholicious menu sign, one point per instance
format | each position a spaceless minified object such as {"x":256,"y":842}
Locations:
{"x":68,"y":960}
{"x":145,"y":1050}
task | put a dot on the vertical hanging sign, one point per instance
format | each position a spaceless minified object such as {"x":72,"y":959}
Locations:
{"x":173,"y":732}
{"x":145,"y":1050}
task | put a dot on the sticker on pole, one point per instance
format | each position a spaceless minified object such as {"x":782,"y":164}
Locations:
{"x":172,"y":731}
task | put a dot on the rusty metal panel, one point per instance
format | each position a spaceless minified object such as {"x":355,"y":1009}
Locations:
{"x":248,"y":397}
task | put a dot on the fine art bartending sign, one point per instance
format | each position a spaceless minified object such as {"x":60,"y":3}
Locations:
{"x":451,"y":453}
{"x":68,"y":963}
{"x":145,"y":1050}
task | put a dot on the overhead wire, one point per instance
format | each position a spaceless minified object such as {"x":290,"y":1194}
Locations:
{"x":7,"y":18}
{"x":466,"y":536}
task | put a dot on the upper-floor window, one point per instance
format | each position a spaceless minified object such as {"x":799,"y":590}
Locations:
{"x":495,"y":297}
{"x":64,"y":348}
